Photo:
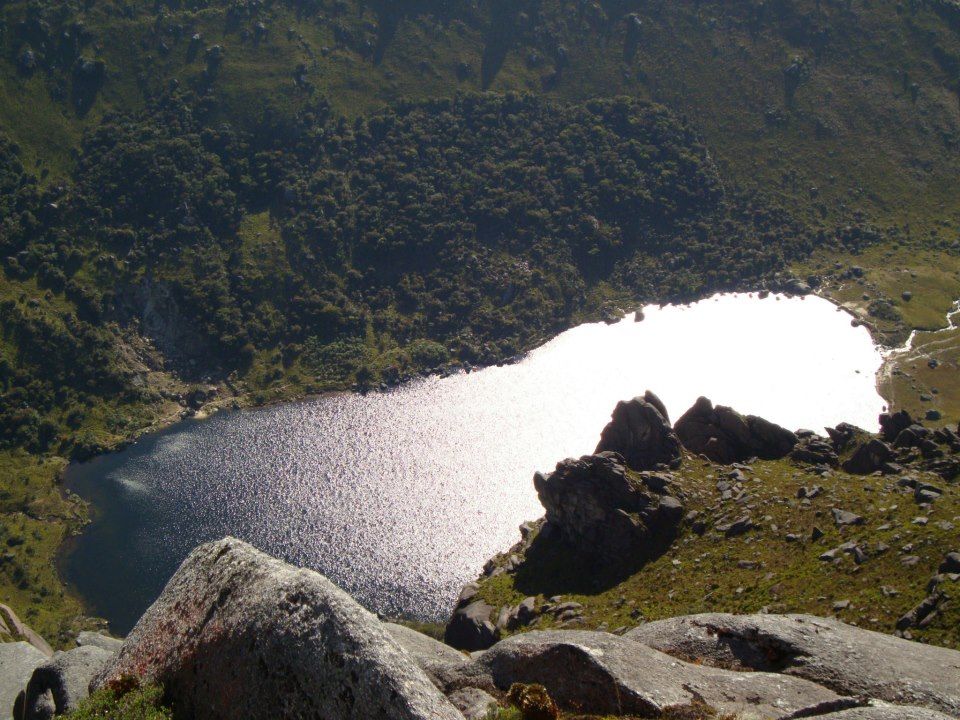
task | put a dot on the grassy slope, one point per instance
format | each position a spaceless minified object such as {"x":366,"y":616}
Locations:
{"x":853,"y":132}
{"x":706,"y":574}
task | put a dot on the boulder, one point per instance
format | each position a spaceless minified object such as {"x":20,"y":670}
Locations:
{"x":892,"y":424}
{"x":475,"y":704}
{"x":18,"y":660}
{"x":640,"y":432}
{"x":847,"y":659}
{"x":923,"y":613}
{"x":57,"y":686}
{"x":724,"y":435}
{"x":236,"y":633}
{"x":470,"y":627}
{"x":815,"y":450}
{"x":845,"y":517}
{"x":951,"y":563}
{"x":843,"y":434}
{"x":603,"y":513}
{"x":884,"y":711}
{"x":599,"y":673}
{"x":869,"y":457}
{"x":13,"y":628}
{"x":95,"y":639}
{"x":432,"y":656}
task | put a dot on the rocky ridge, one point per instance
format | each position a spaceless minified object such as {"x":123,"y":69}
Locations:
{"x":605,"y":520}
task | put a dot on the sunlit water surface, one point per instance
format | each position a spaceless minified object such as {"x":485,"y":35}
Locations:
{"x":400,"y":497}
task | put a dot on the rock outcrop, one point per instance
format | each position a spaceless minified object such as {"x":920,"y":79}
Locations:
{"x":57,"y":686}
{"x":601,"y":511}
{"x":725,"y":436}
{"x":640,"y":432}
{"x":869,"y":457}
{"x":847,"y":659}
{"x":432,"y":656}
{"x":18,"y":660}
{"x":12,"y":628}
{"x":884,"y":711}
{"x":599,"y":673}
{"x":813,"y":449}
{"x":95,"y":639}
{"x":470,"y":627}
{"x":239,"y":634}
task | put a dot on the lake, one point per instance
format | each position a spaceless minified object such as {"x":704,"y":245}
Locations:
{"x":400,"y":497}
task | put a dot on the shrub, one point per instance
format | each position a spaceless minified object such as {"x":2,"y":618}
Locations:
{"x":533,"y":702}
{"x":133,"y":704}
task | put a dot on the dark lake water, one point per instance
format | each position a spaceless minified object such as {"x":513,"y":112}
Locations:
{"x":400,"y":497}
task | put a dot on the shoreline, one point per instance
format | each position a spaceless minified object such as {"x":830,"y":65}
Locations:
{"x":243,"y":402}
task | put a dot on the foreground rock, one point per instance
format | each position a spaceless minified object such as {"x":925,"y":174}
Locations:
{"x":844,"y":658}
{"x":57,"y":686}
{"x":17,"y":663}
{"x":12,"y":628}
{"x":885,"y":711}
{"x":640,"y":432}
{"x":237,"y":634}
{"x":432,"y":656}
{"x":594,"y":506}
{"x":87,"y":637}
{"x":470,"y":627}
{"x":725,"y":436}
{"x":599,"y":673}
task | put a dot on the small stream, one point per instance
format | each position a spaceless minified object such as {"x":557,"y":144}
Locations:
{"x":400,"y":497}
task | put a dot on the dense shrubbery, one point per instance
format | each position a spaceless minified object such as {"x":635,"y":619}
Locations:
{"x":474,"y":220}
{"x":129,"y":704}
{"x":457,"y":229}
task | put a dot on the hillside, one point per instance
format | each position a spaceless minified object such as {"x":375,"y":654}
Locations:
{"x":851,"y":526}
{"x":229,"y":203}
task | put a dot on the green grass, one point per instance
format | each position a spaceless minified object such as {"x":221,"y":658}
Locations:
{"x":136,"y":704}
{"x":35,"y":518}
{"x":932,"y":276}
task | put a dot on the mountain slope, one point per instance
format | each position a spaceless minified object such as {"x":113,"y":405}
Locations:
{"x":235,"y":202}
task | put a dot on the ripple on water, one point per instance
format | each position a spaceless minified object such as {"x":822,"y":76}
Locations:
{"x":400,"y":497}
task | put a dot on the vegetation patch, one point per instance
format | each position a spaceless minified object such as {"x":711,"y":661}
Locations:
{"x":135,"y":703}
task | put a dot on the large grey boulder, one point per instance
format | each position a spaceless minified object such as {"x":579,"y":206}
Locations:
{"x":847,"y":659}
{"x":58,"y":685}
{"x":470,"y":627}
{"x":432,"y":656}
{"x":604,"y":513}
{"x":885,"y":711}
{"x":238,"y":634}
{"x":599,"y":673}
{"x":18,"y":660}
{"x":88,"y":637}
{"x":725,"y":436}
{"x":640,"y":432}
